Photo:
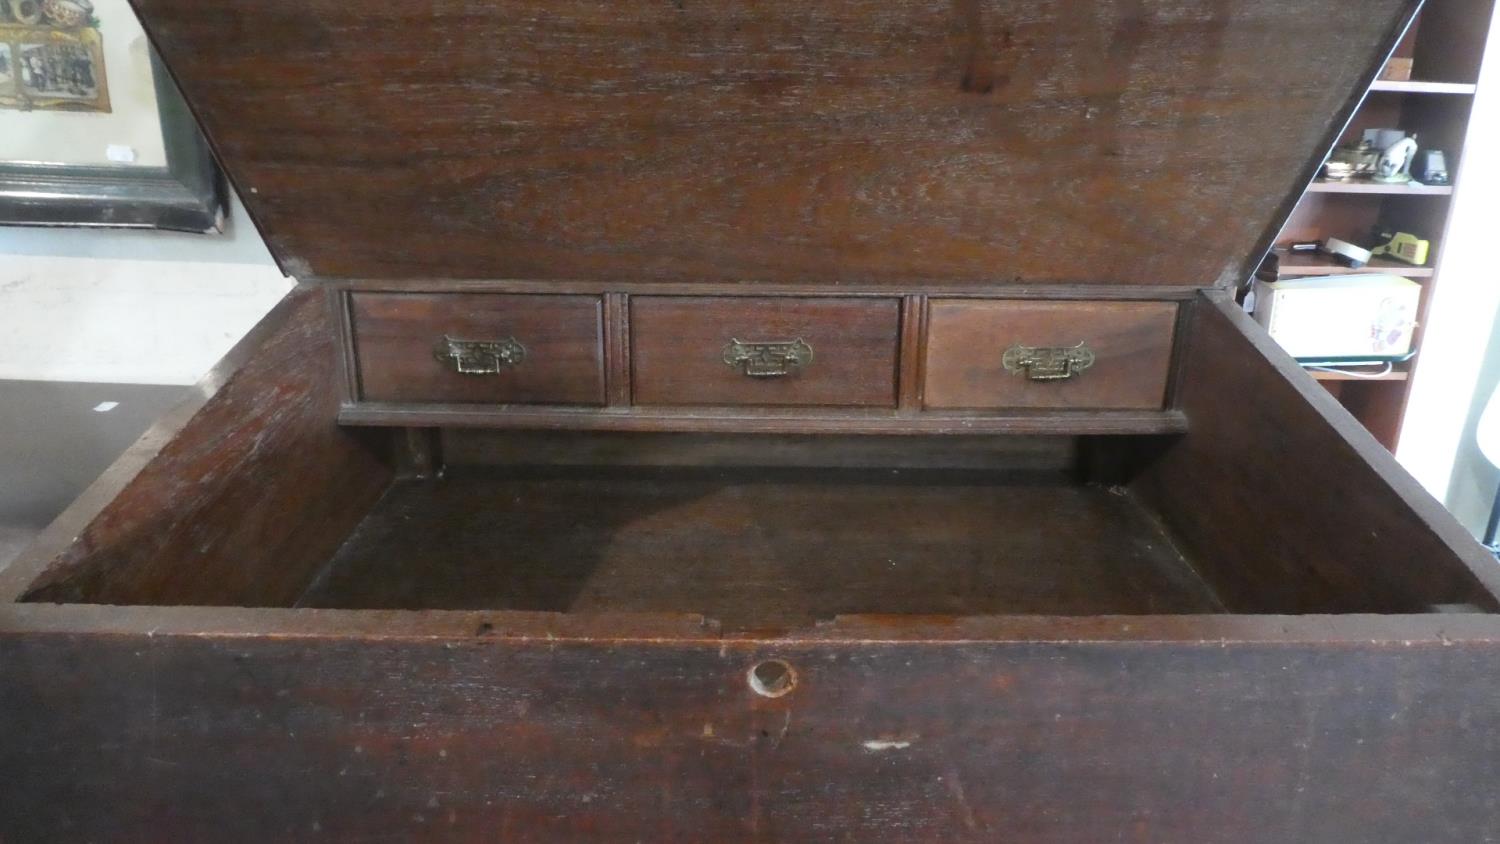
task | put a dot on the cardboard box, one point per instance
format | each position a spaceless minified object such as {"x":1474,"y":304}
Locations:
{"x":1397,"y":70}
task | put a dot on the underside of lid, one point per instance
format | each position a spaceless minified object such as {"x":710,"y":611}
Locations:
{"x":984,"y":142}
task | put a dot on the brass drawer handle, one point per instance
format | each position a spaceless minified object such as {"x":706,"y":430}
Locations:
{"x":479,"y":357}
{"x":1048,"y":363}
{"x":768,"y":360}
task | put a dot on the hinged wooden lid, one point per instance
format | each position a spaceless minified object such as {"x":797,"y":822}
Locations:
{"x":1119,"y":142}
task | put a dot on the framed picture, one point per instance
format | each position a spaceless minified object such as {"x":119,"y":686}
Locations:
{"x":92,"y":130}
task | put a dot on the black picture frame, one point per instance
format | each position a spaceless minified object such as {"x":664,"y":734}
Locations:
{"x":187,"y":195}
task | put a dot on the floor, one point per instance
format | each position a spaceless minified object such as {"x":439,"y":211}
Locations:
{"x":56,"y":438}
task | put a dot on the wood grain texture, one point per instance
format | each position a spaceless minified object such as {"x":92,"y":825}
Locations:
{"x":913,"y":341}
{"x":1286,"y":503}
{"x":677,"y":350}
{"x":238,"y":499}
{"x":760,"y":548}
{"x":473,"y":736}
{"x":764,"y":420}
{"x":395,"y":336}
{"x":617,"y":348}
{"x":984,"y":141}
{"x":479,"y":447}
{"x":855,"y":289}
{"x":967,"y":341}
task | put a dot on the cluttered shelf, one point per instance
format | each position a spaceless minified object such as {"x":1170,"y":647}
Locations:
{"x":1316,"y":264}
{"x":1355,"y":266}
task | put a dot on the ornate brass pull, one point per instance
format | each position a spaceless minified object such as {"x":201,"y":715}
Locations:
{"x":479,"y":357}
{"x":768,"y":360}
{"x":1044,"y":363}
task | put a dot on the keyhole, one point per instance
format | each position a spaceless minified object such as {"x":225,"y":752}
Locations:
{"x":772,"y":678}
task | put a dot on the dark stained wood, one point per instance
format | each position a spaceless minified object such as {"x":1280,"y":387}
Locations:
{"x":913,"y":341}
{"x":770,"y":420}
{"x":836,"y":141}
{"x":677,"y":354}
{"x":1479,"y":630}
{"x":395,"y":335}
{"x":617,"y":348}
{"x":236,"y":499}
{"x":872,"y":154}
{"x":418,"y":452}
{"x":1061,"y":731}
{"x":1286,"y":503}
{"x":967,"y":341}
{"x":346,"y":363}
{"x":759,"y":548}
{"x":1008,"y":452}
{"x":855,"y":289}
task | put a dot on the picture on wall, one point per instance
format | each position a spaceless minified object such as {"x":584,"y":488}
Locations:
{"x":52,"y":56}
{"x":93,"y":132}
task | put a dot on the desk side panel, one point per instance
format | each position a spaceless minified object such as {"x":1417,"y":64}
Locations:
{"x":234,"y":498}
{"x":1285,"y":502}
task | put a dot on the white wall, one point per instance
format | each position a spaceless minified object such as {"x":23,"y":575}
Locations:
{"x":1472,"y":486}
{"x":1460,"y":362}
{"x":133,"y":307}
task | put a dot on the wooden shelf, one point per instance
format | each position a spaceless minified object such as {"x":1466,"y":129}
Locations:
{"x":1444,"y":49}
{"x":1417,"y":87}
{"x":1302,"y":264}
{"x":1376,"y":188}
{"x":1397,"y":374}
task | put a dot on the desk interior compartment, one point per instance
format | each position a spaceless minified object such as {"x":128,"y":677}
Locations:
{"x":762,"y":532}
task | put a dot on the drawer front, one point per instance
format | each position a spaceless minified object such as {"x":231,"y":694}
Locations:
{"x":764,"y":351}
{"x":479,"y":348}
{"x":1057,"y":355}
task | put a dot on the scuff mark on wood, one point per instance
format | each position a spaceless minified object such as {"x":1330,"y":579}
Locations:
{"x":880,"y":745}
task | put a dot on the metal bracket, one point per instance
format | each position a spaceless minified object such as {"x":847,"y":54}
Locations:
{"x":479,"y":357}
{"x":768,"y":360}
{"x":1044,"y":363}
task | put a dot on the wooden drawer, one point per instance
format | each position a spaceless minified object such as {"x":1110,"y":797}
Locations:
{"x":764,"y":351}
{"x":542,"y":349}
{"x":976,"y":359}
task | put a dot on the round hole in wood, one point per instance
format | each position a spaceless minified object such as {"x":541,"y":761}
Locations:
{"x":772,"y":678}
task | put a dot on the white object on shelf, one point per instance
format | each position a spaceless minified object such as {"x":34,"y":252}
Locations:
{"x":1340,"y":316}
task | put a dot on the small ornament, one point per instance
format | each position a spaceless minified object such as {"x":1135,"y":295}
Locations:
{"x":68,"y":14}
{"x":26,"y":11}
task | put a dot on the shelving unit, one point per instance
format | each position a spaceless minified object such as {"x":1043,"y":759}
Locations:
{"x":1446,"y":46}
